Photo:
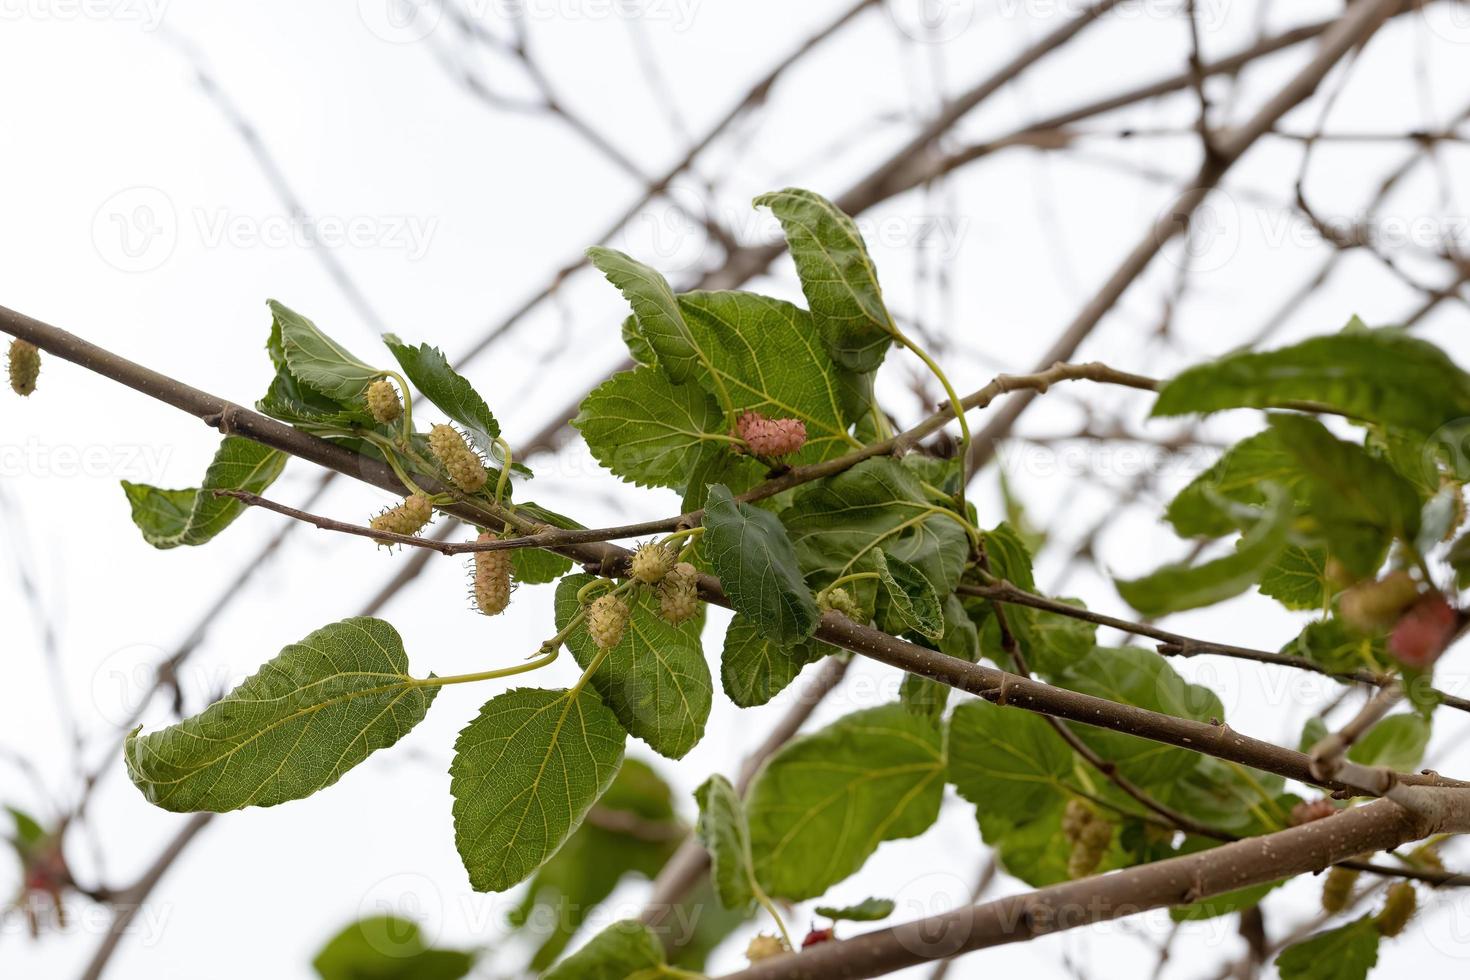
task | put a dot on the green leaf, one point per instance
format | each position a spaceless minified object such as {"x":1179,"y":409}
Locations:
{"x":319,"y":708}
{"x":725,"y":834}
{"x":1397,"y":742}
{"x":754,"y":669}
{"x":638,"y":346}
{"x":169,"y":518}
{"x":655,"y":680}
{"x":289,"y":400}
{"x":1360,"y":504}
{"x":1229,"y":902}
{"x":656,"y":311}
{"x":1050,"y":641}
{"x":28,"y":830}
{"x":1345,"y":953}
{"x":619,"y":952}
{"x":822,"y":805}
{"x":648,"y":430}
{"x":911,"y":603}
{"x":1239,"y":476}
{"x":595,"y":859}
{"x":1177,"y":587}
{"x":754,"y":559}
{"x":961,"y":639}
{"x":525,"y":773}
{"x":386,"y":947}
{"x":1338,"y":647}
{"x":1313,"y":731}
{"x":429,"y":371}
{"x":318,"y":360}
{"x":837,"y":276}
{"x":868,"y":910}
{"x":1380,"y":375}
{"x":1298,"y":578}
{"x":537,"y":566}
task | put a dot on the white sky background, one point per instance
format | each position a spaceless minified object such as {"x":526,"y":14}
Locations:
{"x":467,"y":211}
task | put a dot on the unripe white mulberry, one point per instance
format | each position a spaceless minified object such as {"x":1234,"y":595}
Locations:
{"x":25,"y":366}
{"x":382,"y":401}
{"x":678,"y":594}
{"x":492,"y":579}
{"x":841,"y":601}
{"x":1398,"y":908}
{"x":765,"y":946}
{"x":408,"y":517}
{"x":1090,"y":835}
{"x":607,"y":618}
{"x":651,"y":562}
{"x":1337,"y":890}
{"x":458,"y":459}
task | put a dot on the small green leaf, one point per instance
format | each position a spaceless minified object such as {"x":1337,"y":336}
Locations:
{"x":1397,"y":742}
{"x":1345,"y":953}
{"x":656,"y":310}
{"x":655,"y":680}
{"x":318,"y":360}
{"x":1229,"y":902}
{"x":648,"y":430}
{"x":525,"y":773}
{"x":1239,"y":476}
{"x":1381,"y":375}
{"x":822,"y":804}
{"x":724,"y":833}
{"x":169,"y":518}
{"x":621,"y":951}
{"x":430,"y":372}
{"x":1298,"y":578}
{"x":537,"y":566}
{"x":289,"y":400}
{"x":28,"y":830}
{"x":754,"y":669}
{"x":638,"y":347}
{"x":1338,"y":647}
{"x":868,"y":910}
{"x":912,"y":603}
{"x":1177,"y":587}
{"x":386,"y":947}
{"x":837,"y":276}
{"x":757,"y":565}
{"x":319,"y":708}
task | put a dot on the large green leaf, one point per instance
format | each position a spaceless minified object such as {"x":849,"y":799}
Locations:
{"x":1051,"y":642}
{"x":754,"y":669}
{"x":755,"y":562}
{"x":822,"y":805}
{"x":319,"y":708}
{"x":1345,"y":953}
{"x":726,"y":836}
{"x":430,"y":372}
{"x":579,"y":877}
{"x":1177,"y":587}
{"x":385,"y":947}
{"x":960,"y":639}
{"x":656,"y":311}
{"x":1397,"y":742}
{"x":169,"y":518}
{"x":525,"y":773}
{"x":1298,"y":578}
{"x":622,"y":951}
{"x":907,"y":598}
{"x":317,"y":359}
{"x":837,"y":276}
{"x":655,"y":680}
{"x":1238,"y":476}
{"x":648,"y":430}
{"x":1380,"y":375}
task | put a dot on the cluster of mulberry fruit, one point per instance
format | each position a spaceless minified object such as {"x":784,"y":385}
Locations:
{"x":460,"y":461}
{"x":382,"y":401}
{"x":492,"y":579}
{"x":408,"y":517}
{"x":1337,"y":889}
{"x":1090,"y":836}
{"x":678,"y":594}
{"x":25,"y":366}
{"x":607,"y":619}
{"x":770,"y":437}
{"x":651,"y":562}
{"x":1399,"y":907}
{"x":839,"y":600}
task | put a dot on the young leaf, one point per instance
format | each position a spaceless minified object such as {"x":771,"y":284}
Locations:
{"x":429,"y":371}
{"x":754,"y":669}
{"x":1397,"y":742}
{"x":837,"y":277}
{"x":912,"y":603}
{"x":1239,"y":476}
{"x":319,"y":708}
{"x":1380,"y":375}
{"x":1176,"y":587}
{"x":525,"y":773}
{"x":821,"y":806}
{"x":648,"y":430}
{"x":1345,"y":953}
{"x":724,"y":833}
{"x":169,"y":518}
{"x":754,"y":559}
{"x":656,"y":310}
{"x":1298,"y":578}
{"x":656,"y":680}
{"x":623,"y":950}
{"x":317,"y":359}
{"x":385,"y":947}
{"x":868,"y":910}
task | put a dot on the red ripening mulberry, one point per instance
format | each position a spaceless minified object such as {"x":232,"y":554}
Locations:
{"x":651,"y":562}
{"x":382,"y":401}
{"x":1398,"y":908}
{"x":607,"y":618}
{"x":408,"y":517}
{"x":771,"y":437}
{"x":1308,"y":812}
{"x":1337,"y":890}
{"x":458,"y":459}
{"x":25,"y":366}
{"x":492,"y":579}
{"x":678,"y":594}
{"x":818,"y":936}
{"x":1424,"y":631}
